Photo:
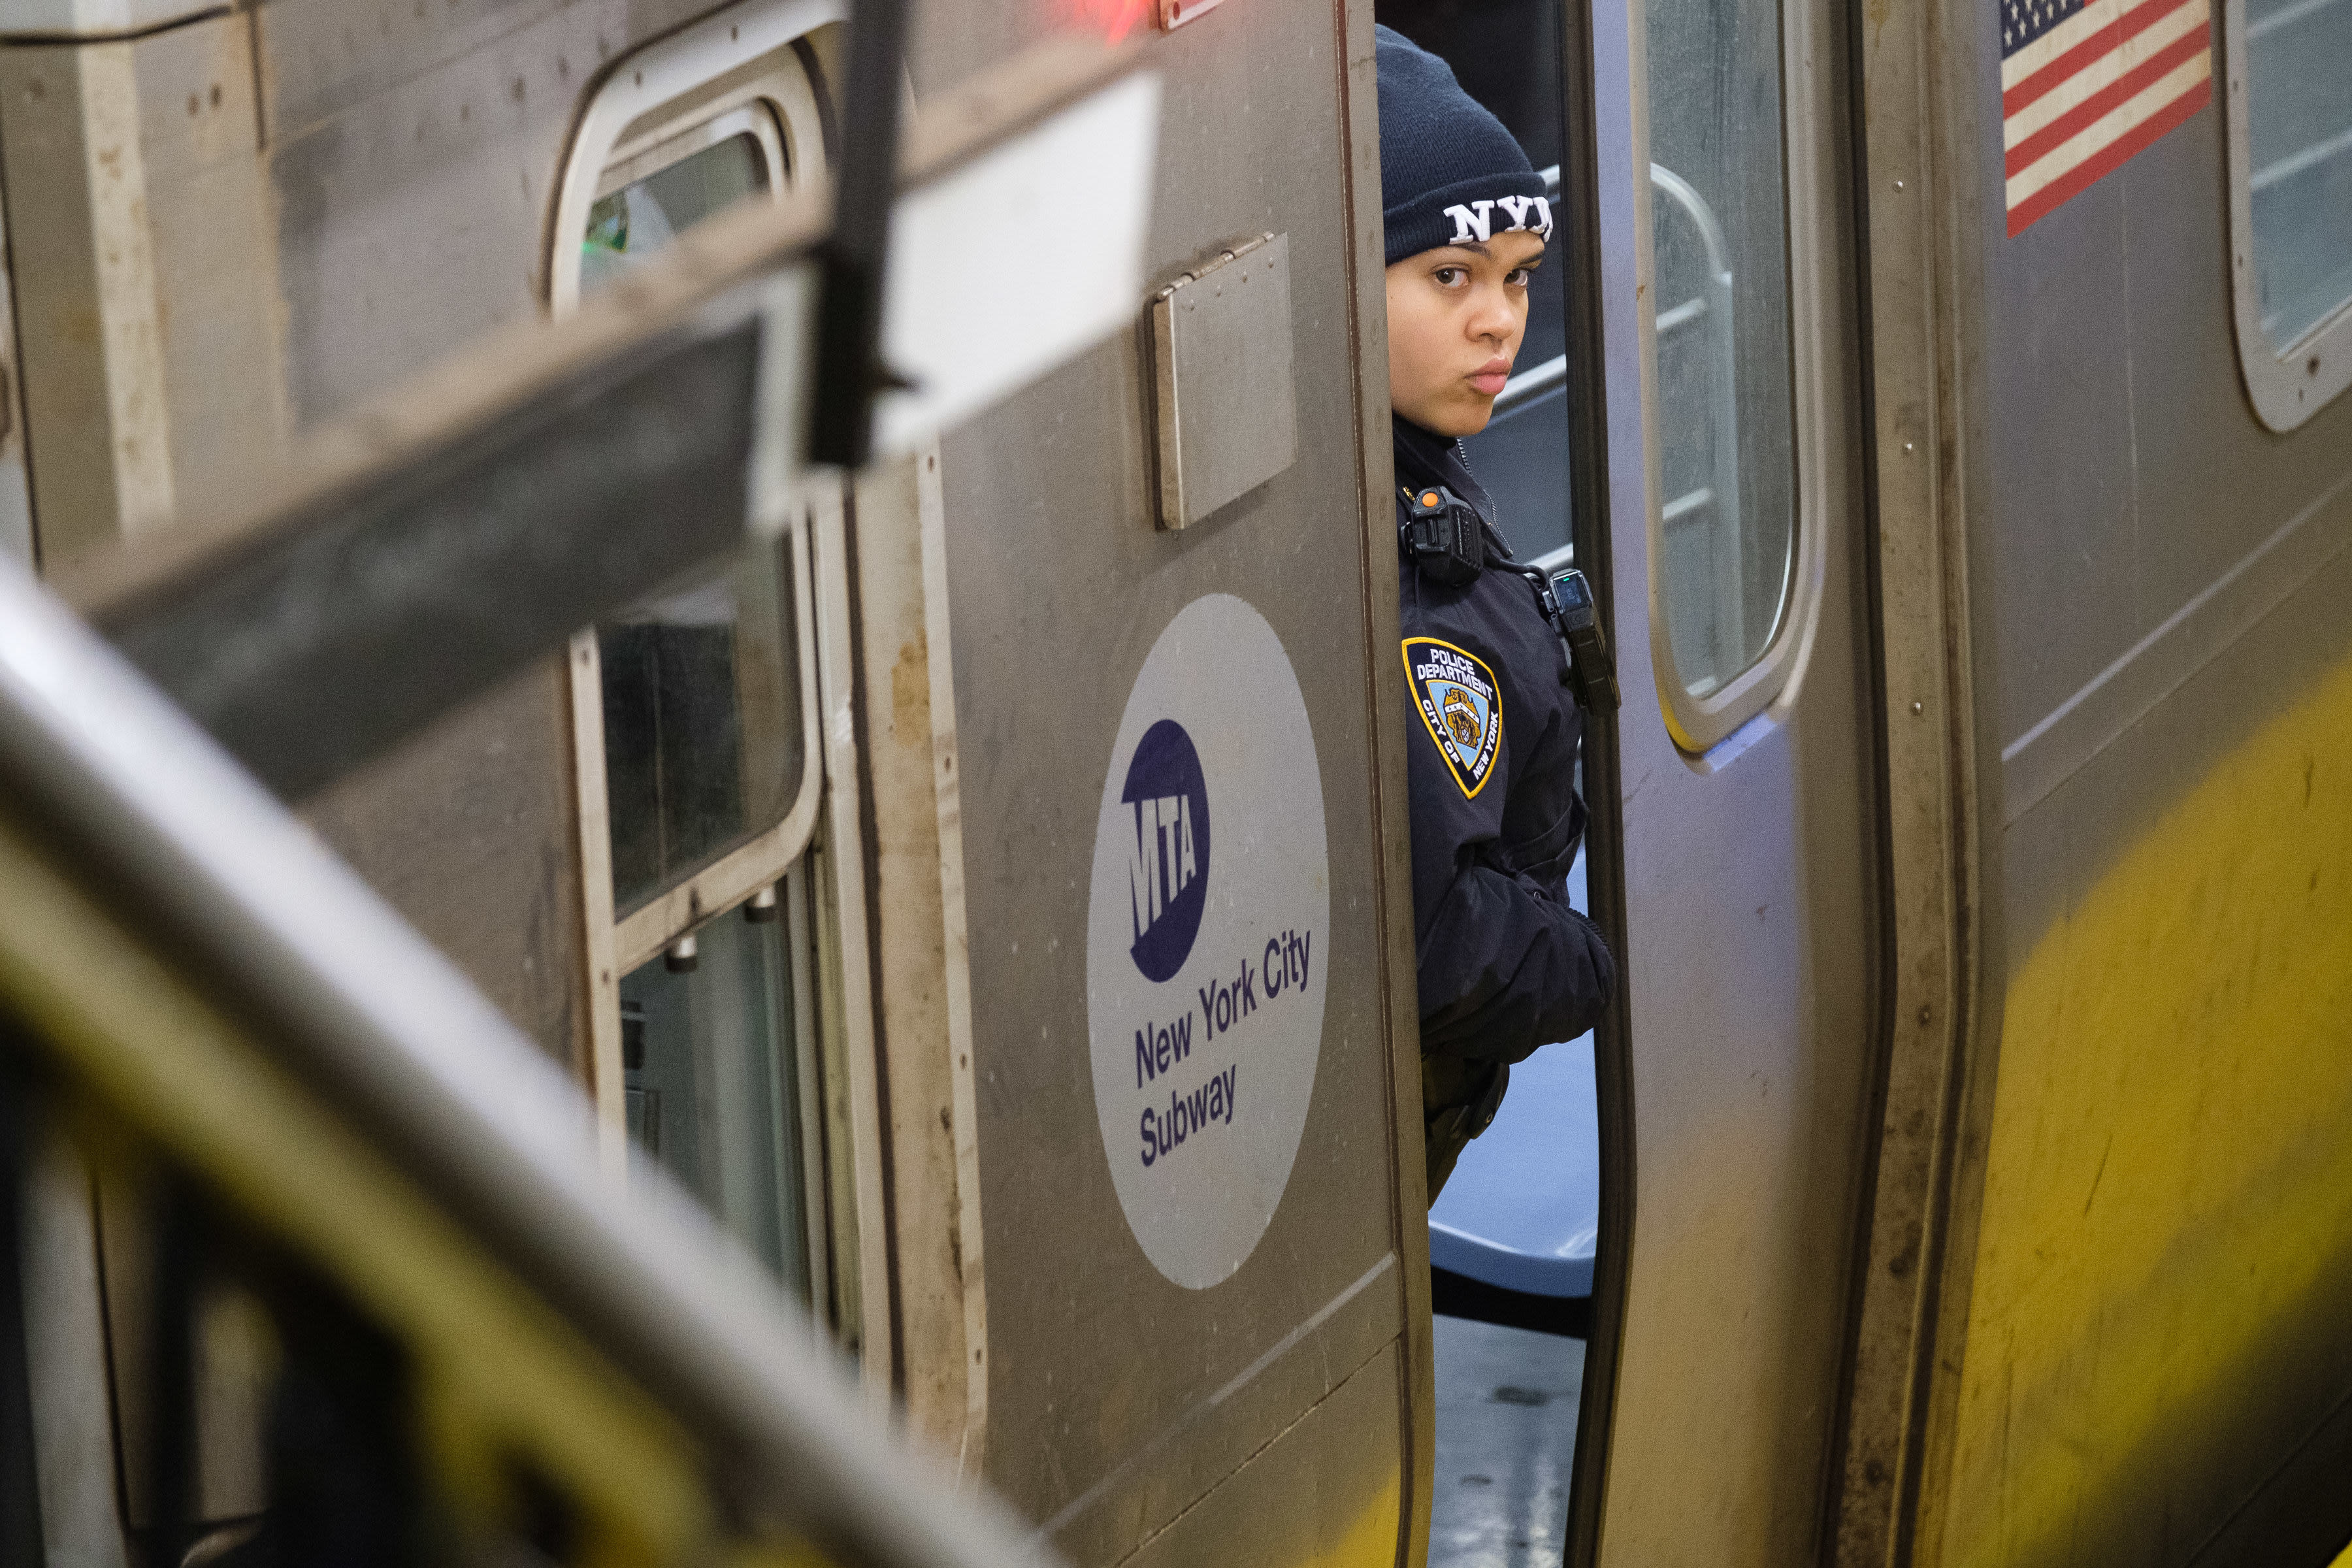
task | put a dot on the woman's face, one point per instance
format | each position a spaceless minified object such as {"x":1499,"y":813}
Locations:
{"x":1456,"y":317}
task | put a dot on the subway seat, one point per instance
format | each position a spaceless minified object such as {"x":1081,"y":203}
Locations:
{"x":1522,"y":1211}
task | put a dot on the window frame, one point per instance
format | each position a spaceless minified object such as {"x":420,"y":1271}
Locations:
{"x":759,"y":861}
{"x":665,"y":79}
{"x":663,"y":149}
{"x":1768,"y":685}
{"x":2288,"y":385}
{"x":654,"y":109}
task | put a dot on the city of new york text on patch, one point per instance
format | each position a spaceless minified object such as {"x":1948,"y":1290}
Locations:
{"x":1462,"y":705}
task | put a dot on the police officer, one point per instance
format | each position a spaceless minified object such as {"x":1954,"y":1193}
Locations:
{"x":1506,"y":965}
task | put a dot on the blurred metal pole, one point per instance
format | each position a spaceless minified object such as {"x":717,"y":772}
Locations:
{"x":21,"y":1535}
{"x":126,"y":798}
{"x":431,"y":545}
{"x":848,"y":367}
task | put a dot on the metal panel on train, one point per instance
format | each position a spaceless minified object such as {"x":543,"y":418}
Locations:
{"x":1182,"y":1024}
{"x":1187,"y":1181}
{"x":1979,"y":597}
{"x":2154,"y":1320}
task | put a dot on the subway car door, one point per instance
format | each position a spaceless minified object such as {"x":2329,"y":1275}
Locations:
{"x":1746,"y":764}
{"x":1067,"y":1009}
{"x":1166,"y":568}
{"x":1679,"y":427}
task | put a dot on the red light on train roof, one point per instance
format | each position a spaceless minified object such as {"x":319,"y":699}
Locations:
{"x":1114,"y":19}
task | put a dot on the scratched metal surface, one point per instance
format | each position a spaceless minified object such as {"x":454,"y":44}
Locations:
{"x":1752,"y":909}
{"x":1118,"y":1401}
{"x":412,"y":155}
{"x":2160,"y":1277}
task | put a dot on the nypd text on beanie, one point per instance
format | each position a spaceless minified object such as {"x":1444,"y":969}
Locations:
{"x":1450,"y":173}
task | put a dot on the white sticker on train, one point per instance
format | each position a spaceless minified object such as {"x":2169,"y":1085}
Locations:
{"x":1205,"y":940}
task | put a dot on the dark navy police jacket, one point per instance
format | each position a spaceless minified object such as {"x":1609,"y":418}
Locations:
{"x":1506,"y":965}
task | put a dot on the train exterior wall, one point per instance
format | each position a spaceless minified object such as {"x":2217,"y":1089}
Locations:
{"x":144,"y":272}
{"x":2160,"y":1272}
{"x":390,"y":165}
{"x":409,"y":155}
{"x":233,"y":229}
{"x":1270,"y":1419}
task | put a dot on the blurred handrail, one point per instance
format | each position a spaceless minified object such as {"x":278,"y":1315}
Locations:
{"x":418,"y":550}
{"x":1538,"y":382}
{"x":337,"y":992}
{"x":1713,"y":309}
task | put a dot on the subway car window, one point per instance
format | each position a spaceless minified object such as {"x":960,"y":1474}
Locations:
{"x":702,"y":724}
{"x":2299,"y":130}
{"x":708,"y":1095}
{"x":702,"y":732}
{"x":641,"y":215}
{"x":1725,"y":411}
{"x":702,"y":697}
{"x":2290,"y":150}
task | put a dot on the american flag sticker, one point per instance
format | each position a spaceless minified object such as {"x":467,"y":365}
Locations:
{"x":2084,"y":84}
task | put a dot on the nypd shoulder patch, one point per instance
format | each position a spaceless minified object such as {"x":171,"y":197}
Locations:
{"x":1461,"y":703}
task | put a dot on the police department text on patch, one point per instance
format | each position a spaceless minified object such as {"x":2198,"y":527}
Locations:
{"x":1460,"y":704}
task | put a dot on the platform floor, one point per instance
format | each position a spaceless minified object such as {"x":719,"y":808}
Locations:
{"x":1506,"y":1403}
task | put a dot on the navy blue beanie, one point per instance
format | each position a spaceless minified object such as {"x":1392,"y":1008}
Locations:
{"x":1449,"y":172}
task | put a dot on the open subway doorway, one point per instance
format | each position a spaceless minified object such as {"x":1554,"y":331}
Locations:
{"x":1517,"y":1233}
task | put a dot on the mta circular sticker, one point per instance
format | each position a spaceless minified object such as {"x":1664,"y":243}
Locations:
{"x":1164,"y":784}
{"x":1206,"y":940}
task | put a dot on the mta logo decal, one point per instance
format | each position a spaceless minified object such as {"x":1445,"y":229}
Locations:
{"x":1168,"y":864}
{"x":1461,"y":706}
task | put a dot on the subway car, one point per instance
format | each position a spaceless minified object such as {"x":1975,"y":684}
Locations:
{"x":701,"y":754}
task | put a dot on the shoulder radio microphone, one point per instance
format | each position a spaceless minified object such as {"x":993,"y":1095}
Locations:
{"x":1444,"y":537}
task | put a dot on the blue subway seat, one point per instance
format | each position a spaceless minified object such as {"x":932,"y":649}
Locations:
{"x":1522,"y":1212}
{"x":1523,"y":1209}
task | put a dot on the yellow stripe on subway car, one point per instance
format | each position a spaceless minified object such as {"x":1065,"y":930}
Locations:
{"x":2169,"y":1174}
